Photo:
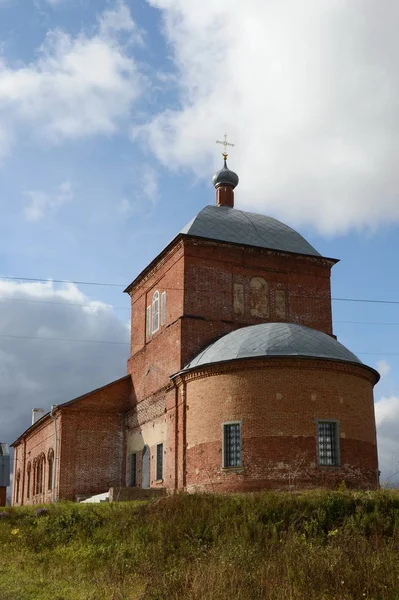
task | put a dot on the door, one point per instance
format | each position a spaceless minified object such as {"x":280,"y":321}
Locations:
{"x":145,"y":468}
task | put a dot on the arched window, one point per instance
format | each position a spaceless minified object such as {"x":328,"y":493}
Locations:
{"x":18,"y":486}
{"x":155,"y":312}
{"x":259,"y":295}
{"x":28,"y":479}
{"x":50,"y":458}
{"x":39,"y":474}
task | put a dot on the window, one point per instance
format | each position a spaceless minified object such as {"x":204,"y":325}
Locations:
{"x":231,"y":445}
{"x":133,"y":470}
{"x":159,"y":461}
{"x":28,"y":478}
{"x":39,"y":474}
{"x":50,"y":469}
{"x":148,"y":322}
{"x":18,"y":486}
{"x":163,"y":308}
{"x":155,"y":312}
{"x":327,"y":443}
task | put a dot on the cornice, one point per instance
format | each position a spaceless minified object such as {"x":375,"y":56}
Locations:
{"x":276,"y":362}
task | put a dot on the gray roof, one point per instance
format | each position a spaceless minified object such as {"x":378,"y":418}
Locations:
{"x":240,"y":227}
{"x":273,"y":339}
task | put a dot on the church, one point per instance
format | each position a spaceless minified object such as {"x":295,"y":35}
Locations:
{"x":235,"y":380}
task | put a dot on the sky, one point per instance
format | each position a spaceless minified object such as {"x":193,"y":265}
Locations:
{"x":109,"y":112}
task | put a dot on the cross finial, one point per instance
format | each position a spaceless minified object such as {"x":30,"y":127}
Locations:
{"x":225,"y":143}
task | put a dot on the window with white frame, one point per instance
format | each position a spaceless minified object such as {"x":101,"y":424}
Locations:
{"x":155,"y":312}
{"x":163,"y":308}
{"x":148,"y":322}
{"x":327,"y":443}
{"x":231,"y":445}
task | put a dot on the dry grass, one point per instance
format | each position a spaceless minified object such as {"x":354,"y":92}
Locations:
{"x":313,"y":546}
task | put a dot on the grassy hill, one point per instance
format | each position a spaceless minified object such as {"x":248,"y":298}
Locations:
{"x":269,"y":546}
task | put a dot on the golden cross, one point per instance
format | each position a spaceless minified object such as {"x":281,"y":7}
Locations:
{"x":225,"y":143}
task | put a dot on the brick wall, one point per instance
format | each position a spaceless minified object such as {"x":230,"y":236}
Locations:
{"x":36,"y":445}
{"x":222,"y":291}
{"x":278,"y":401}
{"x":90,"y":454}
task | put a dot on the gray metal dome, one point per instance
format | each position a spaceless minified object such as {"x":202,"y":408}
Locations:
{"x":273,"y":339}
{"x":225,"y":177}
{"x":251,"y":229}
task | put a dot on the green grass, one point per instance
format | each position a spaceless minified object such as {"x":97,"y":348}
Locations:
{"x":314,"y":545}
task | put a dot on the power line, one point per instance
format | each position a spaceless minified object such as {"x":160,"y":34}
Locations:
{"x":55,"y":339}
{"x":105,"y":284}
{"x":105,"y":306}
{"x":62,"y":281}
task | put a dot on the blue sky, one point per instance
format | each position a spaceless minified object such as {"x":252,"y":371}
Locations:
{"x":109,"y":113}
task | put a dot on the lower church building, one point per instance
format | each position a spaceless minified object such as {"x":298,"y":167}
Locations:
{"x":235,"y":380}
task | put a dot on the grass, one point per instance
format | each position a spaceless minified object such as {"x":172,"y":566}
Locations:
{"x":270,"y":546}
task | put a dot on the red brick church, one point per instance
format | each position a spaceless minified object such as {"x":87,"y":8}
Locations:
{"x":235,"y":381}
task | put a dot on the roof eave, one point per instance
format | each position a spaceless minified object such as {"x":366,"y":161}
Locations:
{"x":273,"y":357}
{"x":179,"y":236}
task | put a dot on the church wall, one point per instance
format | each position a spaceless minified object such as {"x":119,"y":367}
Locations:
{"x":278,"y":401}
{"x":147,"y":425}
{"x":229,"y":286}
{"x":92,"y":454}
{"x":36,"y":446}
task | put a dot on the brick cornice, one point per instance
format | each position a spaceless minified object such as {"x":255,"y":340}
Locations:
{"x":272,"y":362}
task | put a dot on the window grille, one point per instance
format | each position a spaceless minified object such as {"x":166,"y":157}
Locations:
{"x":148,"y":322}
{"x":163,"y":308}
{"x":232,"y":445}
{"x":133,"y":470}
{"x":327,"y":443}
{"x":155,"y":312}
{"x":159,"y":461}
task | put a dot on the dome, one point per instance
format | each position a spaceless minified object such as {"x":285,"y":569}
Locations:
{"x":273,"y":339}
{"x":225,"y":177}
{"x":227,"y":224}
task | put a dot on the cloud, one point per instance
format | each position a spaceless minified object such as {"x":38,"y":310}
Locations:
{"x":78,"y":86}
{"x":42,"y":203}
{"x":37,"y":372}
{"x":383,"y":367}
{"x":307,"y":90}
{"x":387,"y":419}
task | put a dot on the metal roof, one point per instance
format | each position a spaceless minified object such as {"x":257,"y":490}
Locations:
{"x":273,"y":339}
{"x":240,"y":227}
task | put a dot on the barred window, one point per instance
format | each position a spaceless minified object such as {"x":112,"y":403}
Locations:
{"x":155,"y":312}
{"x":159,"y":461}
{"x":163,"y":308}
{"x":328,"y":443}
{"x":231,"y":445}
{"x":133,"y":470}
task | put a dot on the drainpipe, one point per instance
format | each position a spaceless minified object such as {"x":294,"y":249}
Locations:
{"x":184,"y":433}
{"x":52,"y":415}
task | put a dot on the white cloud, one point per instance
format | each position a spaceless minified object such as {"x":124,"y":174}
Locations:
{"x":387,"y":419}
{"x":307,"y":90}
{"x":78,"y":86}
{"x":41,"y":203}
{"x":383,"y":367}
{"x":43,"y":372}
